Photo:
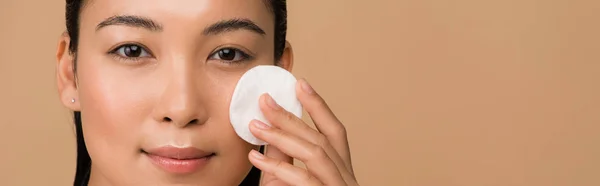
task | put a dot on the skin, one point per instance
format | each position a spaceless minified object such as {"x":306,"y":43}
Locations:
{"x":177,"y":92}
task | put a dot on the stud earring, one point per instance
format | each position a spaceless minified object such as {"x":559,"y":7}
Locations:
{"x":73,"y":100}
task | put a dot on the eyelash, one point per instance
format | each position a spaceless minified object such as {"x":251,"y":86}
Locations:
{"x":236,"y":52}
{"x":121,"y":54}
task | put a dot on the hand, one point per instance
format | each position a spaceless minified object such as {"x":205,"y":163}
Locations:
{"x":324,"y":151}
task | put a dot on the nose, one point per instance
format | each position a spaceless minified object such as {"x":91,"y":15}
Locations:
{"x":181,"y":103}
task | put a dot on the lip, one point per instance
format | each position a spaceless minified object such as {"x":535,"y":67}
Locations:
{"x":178,"y":160}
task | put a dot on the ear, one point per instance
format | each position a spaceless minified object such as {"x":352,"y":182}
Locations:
{"x":65,"y":74}
{"x":287,"y":59}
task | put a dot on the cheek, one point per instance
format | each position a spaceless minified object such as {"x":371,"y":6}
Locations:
{"x":113,"y":107}
{"x":223,"y":85}
{"x":233,"y":147}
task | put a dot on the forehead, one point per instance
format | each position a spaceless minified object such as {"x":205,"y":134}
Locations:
{"x":178,"y":14}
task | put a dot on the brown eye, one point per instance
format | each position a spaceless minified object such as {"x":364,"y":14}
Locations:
{"x":229,"y":55}
{"x":131,"y":51}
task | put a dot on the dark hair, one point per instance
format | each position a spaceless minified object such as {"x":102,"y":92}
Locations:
{"x":72,"y":14}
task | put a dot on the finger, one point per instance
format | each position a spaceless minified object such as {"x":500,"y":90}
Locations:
{"x":281,"y":118}
{"x":325,"y":120}
{"x":288,"y":122}
{"x":313,"y":156}
{"x":274,"y":153}
{"x":284,"y":171}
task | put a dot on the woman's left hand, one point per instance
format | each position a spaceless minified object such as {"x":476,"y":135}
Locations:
{"x":324,"y":151}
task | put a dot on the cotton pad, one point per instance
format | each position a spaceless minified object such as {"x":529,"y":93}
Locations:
{"x":244,"y":107}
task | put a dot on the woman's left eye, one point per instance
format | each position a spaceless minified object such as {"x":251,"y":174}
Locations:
{"x":229,"y":55}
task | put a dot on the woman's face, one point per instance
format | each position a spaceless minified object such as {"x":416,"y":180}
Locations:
{"x":160,"y":73}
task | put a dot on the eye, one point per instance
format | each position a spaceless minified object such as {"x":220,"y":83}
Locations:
{"x":230,"y":55}
{"x":131,"y":51}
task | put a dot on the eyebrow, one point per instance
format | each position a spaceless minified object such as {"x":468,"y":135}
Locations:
{"x":214,"y":29}
{"x":233,"y":25}
{"x":132,"y":21}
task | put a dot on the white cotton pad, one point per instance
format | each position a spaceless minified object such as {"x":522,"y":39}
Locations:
{"x":244,"y":107}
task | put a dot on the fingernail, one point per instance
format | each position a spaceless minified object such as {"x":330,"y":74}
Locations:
{"x":271,"y":102}
{"x":260,"y":125}
{"x":257,"y":154}
{"x":306,"y":87}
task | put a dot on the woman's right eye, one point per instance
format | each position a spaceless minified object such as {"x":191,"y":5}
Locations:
{"x":131,"y":51}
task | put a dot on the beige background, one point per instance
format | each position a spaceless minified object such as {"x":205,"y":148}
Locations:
{"x":433,"y":92}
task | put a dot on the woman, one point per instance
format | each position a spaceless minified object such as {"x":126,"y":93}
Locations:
{"x":150,"y":83}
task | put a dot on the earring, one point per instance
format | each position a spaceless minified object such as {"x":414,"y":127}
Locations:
{"x":73,"y":100}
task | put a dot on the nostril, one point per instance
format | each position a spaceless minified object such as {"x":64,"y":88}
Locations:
{"x":169,"y":120}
